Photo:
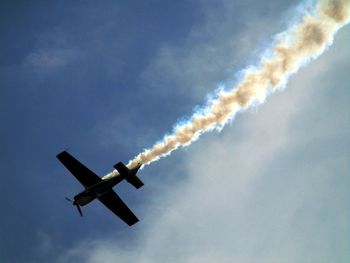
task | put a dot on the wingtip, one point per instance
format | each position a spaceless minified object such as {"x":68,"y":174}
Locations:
{"x":61,"y":153}
{"x":134,"y":222}
{"x":65,"y":151}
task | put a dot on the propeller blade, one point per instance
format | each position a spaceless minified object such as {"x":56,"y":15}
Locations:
{"x":74,"y":203}
{"x":79,"y":209}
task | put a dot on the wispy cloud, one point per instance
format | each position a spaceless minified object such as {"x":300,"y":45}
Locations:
{"x":253,"y":194}
{"x":52,"y":53}
{"x":216,"y":48}
{"x":49,"y":60}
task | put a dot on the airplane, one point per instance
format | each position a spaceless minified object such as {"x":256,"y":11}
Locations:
{"x":102,"y":189}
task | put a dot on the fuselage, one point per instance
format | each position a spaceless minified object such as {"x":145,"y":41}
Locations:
{"x":96,"y":190}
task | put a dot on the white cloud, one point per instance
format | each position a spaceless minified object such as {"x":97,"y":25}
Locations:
{"x":214,"y":50}
{"x":253,"y":194}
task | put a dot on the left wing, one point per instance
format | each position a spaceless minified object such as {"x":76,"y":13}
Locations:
{"x":84,"y":175}
{"x":118,"y":207}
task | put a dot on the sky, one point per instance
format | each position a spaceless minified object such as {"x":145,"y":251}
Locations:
{"x":107,"y":79}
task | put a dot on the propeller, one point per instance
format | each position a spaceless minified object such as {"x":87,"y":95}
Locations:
{"x":79,"y":210}
{"x":74,"y":203}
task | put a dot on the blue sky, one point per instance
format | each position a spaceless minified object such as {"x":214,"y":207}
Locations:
{"x":108,"y":79}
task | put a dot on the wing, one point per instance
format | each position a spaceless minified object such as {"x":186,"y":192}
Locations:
{"x":118,"y":207}
{"x":84,"y":175}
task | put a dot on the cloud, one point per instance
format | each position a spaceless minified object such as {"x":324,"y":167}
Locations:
{"x":215,"y":49}
{"x":260,"y":191}
{"x":49,"y":60}
{"x":248,"y":198}
{"x":52,"y":53}
{"x":45,"y":245}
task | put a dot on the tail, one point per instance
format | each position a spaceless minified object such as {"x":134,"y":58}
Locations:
{"x":129,"y":174}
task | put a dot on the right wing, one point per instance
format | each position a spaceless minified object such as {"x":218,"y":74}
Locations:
{"x":112,"y":201}
{"x":84,"y":175}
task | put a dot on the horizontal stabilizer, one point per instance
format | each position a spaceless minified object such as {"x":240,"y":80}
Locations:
{"x":135,"y":181}
{"x":129,"y":174}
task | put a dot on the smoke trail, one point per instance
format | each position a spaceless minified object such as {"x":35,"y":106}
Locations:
{"x":295,"y":47}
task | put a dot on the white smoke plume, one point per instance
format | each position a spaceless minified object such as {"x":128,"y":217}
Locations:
{"x":294,"y":48}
